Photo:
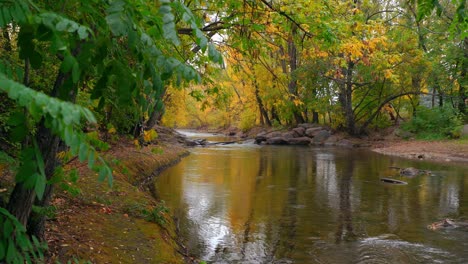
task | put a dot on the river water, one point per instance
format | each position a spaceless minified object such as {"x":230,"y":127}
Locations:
{"x":244,"y":203}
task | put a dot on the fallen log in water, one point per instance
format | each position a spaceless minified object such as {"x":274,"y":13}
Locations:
{"x":392,"y":181}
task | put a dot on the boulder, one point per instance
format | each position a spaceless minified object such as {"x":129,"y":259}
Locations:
{"x":289,"y":134}
{"x":307,"y":125}
{"x":311,"y":132}
{"x":321,"y":136}
{"x":299,"y":141}
{"x":260,"y":138}
{"x":300,"y":131}
{"x":276,"y":141}
{"x":345,"y":143}
{"x":274,"y":134}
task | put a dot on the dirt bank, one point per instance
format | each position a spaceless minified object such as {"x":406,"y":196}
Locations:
{"x":122,"y":224}
{"x":440,"y":151}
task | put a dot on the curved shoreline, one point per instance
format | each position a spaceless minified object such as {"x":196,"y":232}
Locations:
{"x":446,"y":151}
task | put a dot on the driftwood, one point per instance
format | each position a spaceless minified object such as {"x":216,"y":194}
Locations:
{"x":393,"y":181}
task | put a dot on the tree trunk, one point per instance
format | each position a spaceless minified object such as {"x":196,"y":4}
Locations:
{"x":346,"y":99}
{"x":315,"y":117}
{"x":462,"y":90}
{"x":263,"y":113}
{"x":292,"y":86}
{"x":22,"y":198}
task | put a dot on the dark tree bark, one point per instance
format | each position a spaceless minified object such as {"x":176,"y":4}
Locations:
{"x":22,"y":198}
{"x":346,"y":99}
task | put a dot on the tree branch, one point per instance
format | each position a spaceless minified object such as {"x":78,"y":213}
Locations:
{"x":288,"y":17}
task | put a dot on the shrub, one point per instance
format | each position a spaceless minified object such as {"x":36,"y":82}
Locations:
{"x":435,"y":123}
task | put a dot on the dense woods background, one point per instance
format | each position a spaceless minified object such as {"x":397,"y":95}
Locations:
{"x":72,"y":71}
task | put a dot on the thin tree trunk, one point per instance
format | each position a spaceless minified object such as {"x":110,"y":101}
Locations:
{"x":263,"y":113}
{"x":462,"y":90}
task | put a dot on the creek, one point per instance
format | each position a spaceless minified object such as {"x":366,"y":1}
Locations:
{"x":245,"y":203}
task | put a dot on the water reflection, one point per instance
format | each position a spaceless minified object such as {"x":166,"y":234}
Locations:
{"x":251,"y":204}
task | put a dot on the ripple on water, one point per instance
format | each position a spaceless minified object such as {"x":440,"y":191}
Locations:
{"x":391,"y":249}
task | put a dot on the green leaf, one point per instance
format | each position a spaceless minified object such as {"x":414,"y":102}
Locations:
{"x":7,"y":228}
{"x":91,"y":159}
{"x":11,"y":252}
{"x":2,"y":249}
{"x":102,"y":174}
{"x":6,"y":15}
{"x":83,"y":33}
{"x":62,"y":25}
{"x":67,"y":63}
{"x":76,"y":72}
{"x":17,"y":118}
{"x":40,"y":185}
{"x":214,"y":54}
{"x":83,"y":152}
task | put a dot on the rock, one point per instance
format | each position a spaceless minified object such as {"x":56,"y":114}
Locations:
{"x":345,"y":143}
{"x":260,"y":138}
{"x":307,"y":125}
{"x":413,"y":171}
{"x":441,"y":224}
{"x":321,"y":136}
{"x":300,"y":131}
{"x":403,"y":134}
{"x":274,"y":134}
{"x":464,"y":132}
{"x":288,"y":135}
{"x":196,"y":142}
{"x":311,"y":132}
{"x":276,"y":141}
{"x":299,"y":141}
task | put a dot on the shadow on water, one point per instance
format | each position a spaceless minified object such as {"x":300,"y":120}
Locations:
{"x":270,"y":204}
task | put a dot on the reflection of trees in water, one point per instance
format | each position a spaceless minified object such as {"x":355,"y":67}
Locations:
{"x":284,"y":246}
{"x":449,"y":198}
{"x":345,"y":222}
{"x":326,"y":179}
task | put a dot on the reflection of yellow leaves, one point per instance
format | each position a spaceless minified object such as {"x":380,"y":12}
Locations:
{"x":136,"y":143}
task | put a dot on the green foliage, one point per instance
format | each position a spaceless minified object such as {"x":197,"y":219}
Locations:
{"x":158,"y":151}
{"x":435,"y":123}
{"x":156,"y":214}
{"x":62,"y":118}
{"x":15,"y":245}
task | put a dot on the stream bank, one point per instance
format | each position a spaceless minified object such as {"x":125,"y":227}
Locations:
{"x":122,"y":224}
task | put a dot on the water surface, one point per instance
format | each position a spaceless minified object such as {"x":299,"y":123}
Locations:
{"x":244,"y":203}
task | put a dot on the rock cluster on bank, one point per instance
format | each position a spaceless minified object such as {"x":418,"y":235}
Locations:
{"x":303,"y":134}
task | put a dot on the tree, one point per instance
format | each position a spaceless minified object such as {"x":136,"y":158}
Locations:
{"x":110,"y":53}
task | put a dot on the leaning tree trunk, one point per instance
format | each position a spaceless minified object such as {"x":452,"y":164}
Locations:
{"x":263,"y":111}
{"x":22,"y":199}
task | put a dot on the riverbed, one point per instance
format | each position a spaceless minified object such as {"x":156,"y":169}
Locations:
{"x":245,"y":203}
